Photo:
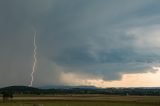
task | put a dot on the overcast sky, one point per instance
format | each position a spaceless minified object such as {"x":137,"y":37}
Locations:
{"x":91,"y":39}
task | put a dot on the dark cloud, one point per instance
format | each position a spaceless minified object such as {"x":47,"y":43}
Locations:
{"x":92,"y":37}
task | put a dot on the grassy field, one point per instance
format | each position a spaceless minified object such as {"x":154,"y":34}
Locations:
{"x":84,"y":101}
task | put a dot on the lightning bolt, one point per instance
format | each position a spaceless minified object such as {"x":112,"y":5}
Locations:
{"x":34,"y":58}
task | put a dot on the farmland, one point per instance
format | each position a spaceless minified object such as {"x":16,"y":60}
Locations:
{"x":82,"y":100}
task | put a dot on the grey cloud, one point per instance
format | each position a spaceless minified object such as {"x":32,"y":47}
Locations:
{"x":73,"y":36}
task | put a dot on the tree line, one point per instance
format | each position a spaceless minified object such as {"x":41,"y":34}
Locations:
{"x":63,"y":91}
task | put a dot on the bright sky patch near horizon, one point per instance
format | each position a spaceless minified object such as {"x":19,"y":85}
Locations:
{"x":105,"y":43}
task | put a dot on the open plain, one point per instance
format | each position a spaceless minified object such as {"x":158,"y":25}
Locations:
{"x":82,"y":100}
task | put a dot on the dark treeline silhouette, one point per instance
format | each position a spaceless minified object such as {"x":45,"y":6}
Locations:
{"x":79,"y":90}
{"x":7,"y":95}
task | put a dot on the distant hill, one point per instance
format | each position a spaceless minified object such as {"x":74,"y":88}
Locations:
{"x":20,"y":89}
{"x":81,"y":90}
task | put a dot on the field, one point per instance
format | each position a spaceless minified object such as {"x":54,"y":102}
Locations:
{"x":83,"y":100}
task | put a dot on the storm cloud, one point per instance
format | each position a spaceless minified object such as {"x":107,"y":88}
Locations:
{"x":105,"y":38}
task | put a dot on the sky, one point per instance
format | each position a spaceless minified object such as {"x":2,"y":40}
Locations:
{"x":103,"y":43}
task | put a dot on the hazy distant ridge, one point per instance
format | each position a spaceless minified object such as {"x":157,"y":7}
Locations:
{"x":82,"y":90}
